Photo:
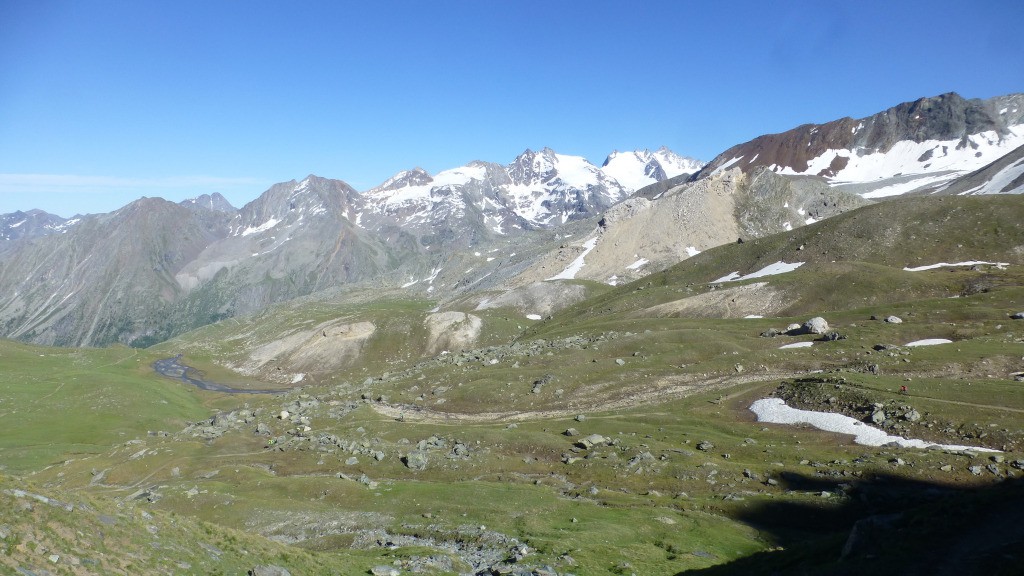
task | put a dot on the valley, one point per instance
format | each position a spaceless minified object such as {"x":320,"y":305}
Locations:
{"x":437,"y":376}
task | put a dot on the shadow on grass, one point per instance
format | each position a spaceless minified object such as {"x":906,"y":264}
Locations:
{"x":888,"y":525}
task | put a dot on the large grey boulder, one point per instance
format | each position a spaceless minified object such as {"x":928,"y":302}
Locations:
{"x":416,"y":460}
{"x":591,"y":441}
{"x":816,"y":325}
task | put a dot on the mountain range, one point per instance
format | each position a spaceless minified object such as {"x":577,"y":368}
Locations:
{"x":154,"y":269}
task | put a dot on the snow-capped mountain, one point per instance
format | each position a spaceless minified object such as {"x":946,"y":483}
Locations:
{"x":31,"y":224}
{"x":537,"y":190}
{"x":914,"y":145}
{"x":550,"y":188}
{"x":640,"y":168}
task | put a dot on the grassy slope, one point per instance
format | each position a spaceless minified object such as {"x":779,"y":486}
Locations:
{"x":680,"y":508}
{"x":58,"y":403}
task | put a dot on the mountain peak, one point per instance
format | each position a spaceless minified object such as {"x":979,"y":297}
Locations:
{"x":215,"y":202}
{"x":406,"y":178}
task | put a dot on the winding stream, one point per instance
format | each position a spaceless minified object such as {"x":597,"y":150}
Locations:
{"x":173,"y":368}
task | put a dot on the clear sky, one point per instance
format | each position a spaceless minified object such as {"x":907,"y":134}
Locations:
{"x":104,"y":102}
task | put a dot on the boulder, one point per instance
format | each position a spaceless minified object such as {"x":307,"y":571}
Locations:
{"x":591,"y":441}
{"x":1017,"y":316}
{"x":816,"y":325}
{"x":416,"y":460}
{"x":893,"y":320}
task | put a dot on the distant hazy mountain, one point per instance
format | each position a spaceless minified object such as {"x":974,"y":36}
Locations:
{"x":31,"y":224}
{"x":214,"y":202}
{"x":106,"y":278}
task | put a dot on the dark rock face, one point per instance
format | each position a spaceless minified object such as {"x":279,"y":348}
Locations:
{"x":945,"y":117}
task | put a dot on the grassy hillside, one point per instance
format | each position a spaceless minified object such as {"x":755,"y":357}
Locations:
{"x":612,"y":438}
{"x":58,"y":403}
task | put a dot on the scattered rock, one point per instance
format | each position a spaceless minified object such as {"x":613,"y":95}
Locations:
{"x":1017,"y":316}
{"x":591,"y":441}
{"x":416,"y":460}
{"x":704,"y":446}
{"x":384,"y":571}
{"x":893,"y":320}
{"x":571,"y":432}
{"x":620,"y":361}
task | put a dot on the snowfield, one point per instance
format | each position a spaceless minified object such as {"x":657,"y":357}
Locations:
{"x":775,"y":411}
{"x":574,"y":268}
{"x":947,"y":265}
{"x":779,"y":267}
{"x":929,"y":342}
{"x":797,"y":345}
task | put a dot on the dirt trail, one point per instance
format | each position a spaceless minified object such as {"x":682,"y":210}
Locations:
{"x":665,"y":389}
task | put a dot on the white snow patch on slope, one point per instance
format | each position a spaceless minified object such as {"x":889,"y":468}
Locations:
{"x":779,"y":267}
{"x":904,"y":187}
{"x":948,"y":264}
{"x":775,"y":411}
{"x":261,"y":228}
{"x":692,"y":251}
{"x":573,"y":268}
{"x":533,"y":316}
{"x":796,"y":345}
{"x":929,"y":342}
{"x":1000,"y":180}
{"x":637,"y":264}
{"x":728,"y":164}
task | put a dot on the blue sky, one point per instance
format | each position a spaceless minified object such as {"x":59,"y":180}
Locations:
{"x":104,"y":102}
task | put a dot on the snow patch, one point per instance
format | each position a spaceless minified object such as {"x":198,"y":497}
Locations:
{"x":779,"y":267}
{"x":947,"y":264}
{"x":533,"y":317}
{"x":775,"y":411}
{"x":572,"y":269}
{"x":929,"y":342}
{"x":637,"y":264}
{"x":692,"y":251}
{"x":261,"y":228}
{"x":797,"y":345}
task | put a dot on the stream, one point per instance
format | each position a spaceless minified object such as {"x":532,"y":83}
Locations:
{"x":173,"y":368}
